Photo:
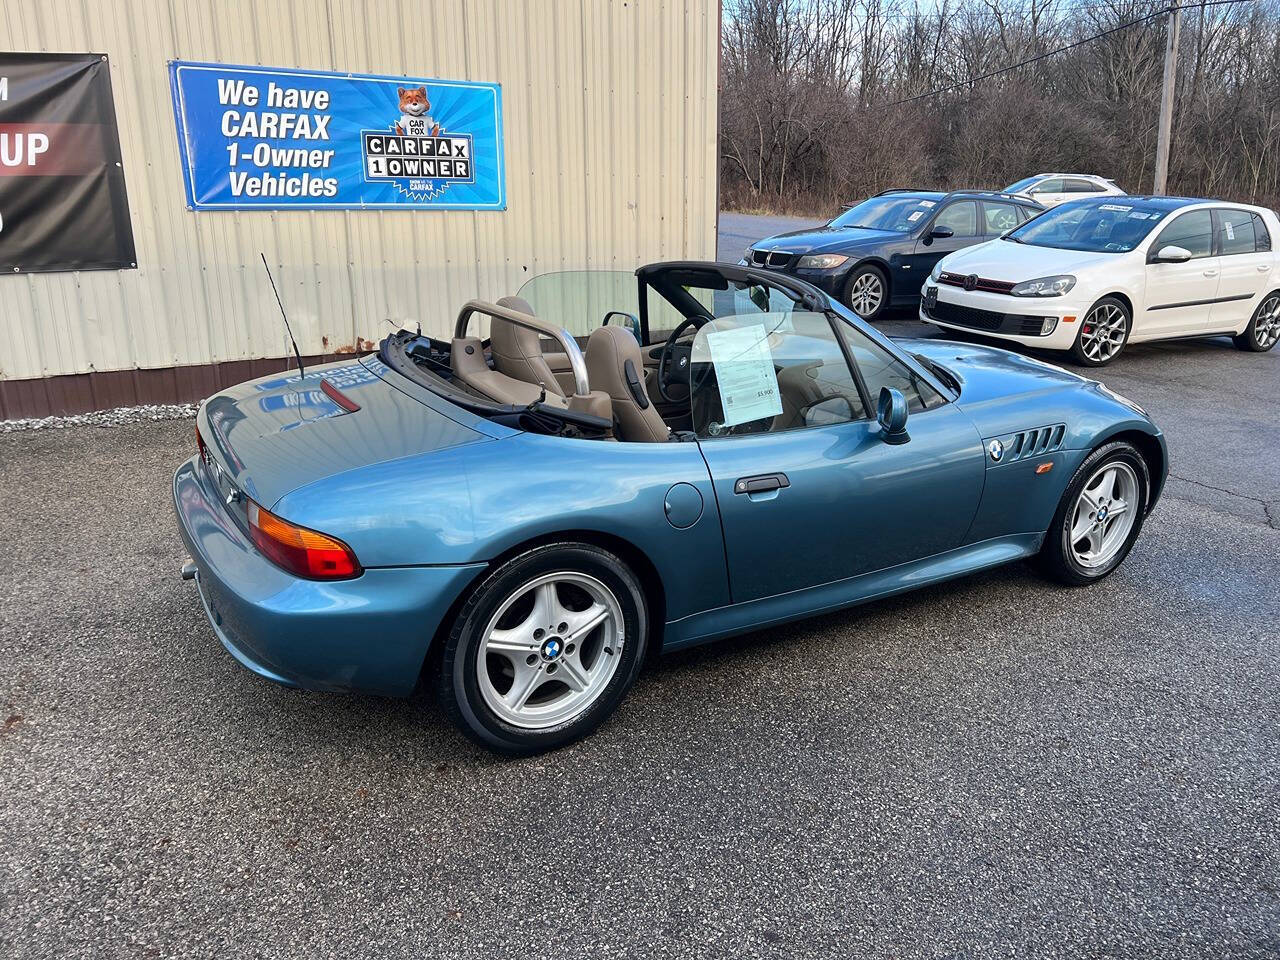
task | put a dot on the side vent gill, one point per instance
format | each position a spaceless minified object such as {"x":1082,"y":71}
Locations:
{"x":1032,"y":443}
{"x":1025,"y":444}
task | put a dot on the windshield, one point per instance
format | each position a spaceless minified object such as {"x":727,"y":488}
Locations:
{"x":1094,"y":228}
{"x":897,"y":213}
{"x":580,"y":300}
{"x":1020,"y":186}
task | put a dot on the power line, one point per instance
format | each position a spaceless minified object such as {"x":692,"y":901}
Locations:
{"x":1053,"y":53}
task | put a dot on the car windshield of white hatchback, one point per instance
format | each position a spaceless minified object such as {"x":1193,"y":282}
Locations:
{"x":1095,"y":228}
{"x":899,"y":214}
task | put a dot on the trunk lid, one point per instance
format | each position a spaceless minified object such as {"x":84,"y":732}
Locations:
{"x":269,"y":436}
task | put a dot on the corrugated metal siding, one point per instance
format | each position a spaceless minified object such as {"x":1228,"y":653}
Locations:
{"x":610,"y":124}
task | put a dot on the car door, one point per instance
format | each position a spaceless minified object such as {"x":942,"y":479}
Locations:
{"x":1180,"y":295}
{"x":810,"y":492}
{"x":999,"y":216}
{"x":1050,"y":192}
{"x":1245,"y":264}
{"x":1075,"y":188}
{"x":958,"y":216}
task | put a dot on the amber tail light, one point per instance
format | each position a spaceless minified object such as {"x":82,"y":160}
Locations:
{"x":302,"y":552}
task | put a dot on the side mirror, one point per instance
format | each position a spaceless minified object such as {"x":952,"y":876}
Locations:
{"x":628,"y":320}
{"x":938,"y":233}
{"x":891,"y":412}
{"x":1171,"y":254}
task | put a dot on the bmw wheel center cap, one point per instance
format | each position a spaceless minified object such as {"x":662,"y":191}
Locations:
{"x":552,"y":648}
{"x":996,"y":449}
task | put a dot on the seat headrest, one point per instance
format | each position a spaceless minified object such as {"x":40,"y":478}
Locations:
{"x":517,"y":303}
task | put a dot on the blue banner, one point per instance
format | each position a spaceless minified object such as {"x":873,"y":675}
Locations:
{"x":255,"y":138}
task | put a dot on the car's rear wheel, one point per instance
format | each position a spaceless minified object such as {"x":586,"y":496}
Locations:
{"x":544,"y":649}
{"x":1263,"y":330}
{"x":1099,"y":517}
{"x":866,"y":292}
{"x":1103,"y":333}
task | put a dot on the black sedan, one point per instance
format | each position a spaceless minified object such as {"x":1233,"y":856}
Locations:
{"x":878,"y":253}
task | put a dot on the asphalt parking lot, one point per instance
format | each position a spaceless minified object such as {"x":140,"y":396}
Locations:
{"x":991,"y":767}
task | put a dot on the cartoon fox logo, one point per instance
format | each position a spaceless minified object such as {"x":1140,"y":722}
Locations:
{"x":414,"y":119}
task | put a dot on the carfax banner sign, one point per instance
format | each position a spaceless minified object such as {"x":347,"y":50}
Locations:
{"x":255,"y":138}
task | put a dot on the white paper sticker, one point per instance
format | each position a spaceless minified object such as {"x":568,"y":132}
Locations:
{"x":1231,"y":231}
{"x":915,"y":216}
{"x":1115,"y":206}
{"x":745,"y":375}
{"x":928,"y":203}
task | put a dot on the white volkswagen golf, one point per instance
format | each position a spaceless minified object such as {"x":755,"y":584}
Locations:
{"x":1094,"y":275}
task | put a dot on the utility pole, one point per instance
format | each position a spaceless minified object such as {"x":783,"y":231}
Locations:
{"x":1166,"y":100}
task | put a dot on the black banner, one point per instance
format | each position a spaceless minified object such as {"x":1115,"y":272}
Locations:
{"x":62,"y":197}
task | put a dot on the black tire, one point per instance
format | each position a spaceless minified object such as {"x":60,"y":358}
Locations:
{"x":1057,"y":559}
{"x":458,"y":682}
{"x":876,"y":276}
{"x":1249,"y":339}
{"x":1078,"y":351}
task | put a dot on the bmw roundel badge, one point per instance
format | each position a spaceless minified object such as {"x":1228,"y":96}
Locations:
{"x":551,"y":649}
{"x":996,"y":449}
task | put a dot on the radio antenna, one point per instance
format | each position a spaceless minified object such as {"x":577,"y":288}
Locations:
{"x":283,"y":316}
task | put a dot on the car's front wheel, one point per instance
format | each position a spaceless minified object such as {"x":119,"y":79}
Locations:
{"x":1103,"y":333}
{"x":1099,"y":517}
{"x":866,"y":292}
{"x":544,"y":649}
{"x":1263,"y":330}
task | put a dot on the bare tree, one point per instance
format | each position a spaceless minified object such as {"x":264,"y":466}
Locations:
{"x":811,"y":91}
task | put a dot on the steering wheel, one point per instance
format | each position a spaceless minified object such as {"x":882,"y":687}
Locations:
{"x":668,"y":358}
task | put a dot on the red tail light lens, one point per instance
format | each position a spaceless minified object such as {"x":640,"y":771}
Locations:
{"x":338,"y":397}
{"x":303,"y":552}
{"x":204,"y":453}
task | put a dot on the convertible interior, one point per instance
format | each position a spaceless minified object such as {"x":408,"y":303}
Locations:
{"x":643,"y":373}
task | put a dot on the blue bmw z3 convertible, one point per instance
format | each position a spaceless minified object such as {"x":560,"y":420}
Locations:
{"x":521,"y":518}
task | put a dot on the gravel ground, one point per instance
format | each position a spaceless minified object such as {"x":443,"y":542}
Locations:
{"x":992,"y":767}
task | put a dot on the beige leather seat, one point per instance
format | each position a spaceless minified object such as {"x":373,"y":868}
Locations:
{"x":517,"y":351}
{"x":615,"y":366}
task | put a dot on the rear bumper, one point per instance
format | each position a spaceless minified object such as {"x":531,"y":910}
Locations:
{"x":367,"y":635}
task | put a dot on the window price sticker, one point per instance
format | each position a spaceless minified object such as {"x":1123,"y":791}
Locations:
{"x":745,"y":374}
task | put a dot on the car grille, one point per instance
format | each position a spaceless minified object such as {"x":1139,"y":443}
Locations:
{"x":772,"y":258}
{"x":973,"y":318}
{"x":980,"y":283}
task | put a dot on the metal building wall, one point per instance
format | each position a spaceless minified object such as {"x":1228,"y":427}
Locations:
{"x":610,"y":126}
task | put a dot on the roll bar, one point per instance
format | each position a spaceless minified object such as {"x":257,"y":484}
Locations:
{"x":576,"y":363}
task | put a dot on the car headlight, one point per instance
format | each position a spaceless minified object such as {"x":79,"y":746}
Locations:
{"x":936,"y":272}
{"x":1044,"y":287}
{"x":821,"y":261}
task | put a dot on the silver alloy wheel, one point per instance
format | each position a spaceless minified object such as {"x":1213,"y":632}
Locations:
{"x":1102,"y":333}
{"x":550,"y":650}
{"x":1104,"y":514}
{"x":865,"y":294}
{"x":1266,"y":327}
